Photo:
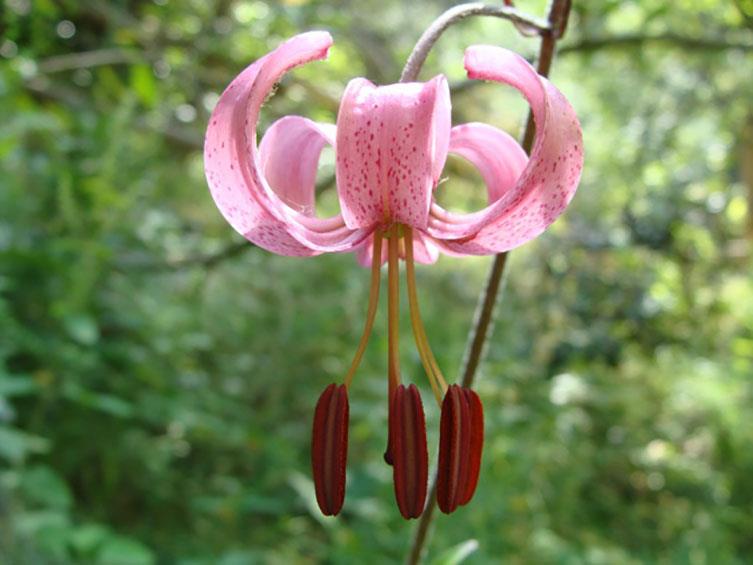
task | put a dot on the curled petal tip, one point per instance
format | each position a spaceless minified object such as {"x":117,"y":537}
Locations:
{"x":471,"y":58}
{"x":484,"y":62}
{"x":315,"y":40}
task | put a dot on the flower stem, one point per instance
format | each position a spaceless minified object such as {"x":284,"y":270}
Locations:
{"x":556,"y":21}
{"x":456,"y":14}
{"x":376,"y":265}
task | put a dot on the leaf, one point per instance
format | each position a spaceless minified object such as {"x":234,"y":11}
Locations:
{"x":143,"y":84}
{"x":304,"y":486}
{"x":82,"y":328}
{"x":16,"y":385}
{"x":49,"y":529}
{"x":98,"y":401}
{"x":120,"y":550}
{"x":235,"y":557}
{"x":87,"y":537}
{"x":16,"y":445}
{"x":45,"y":487}
{"x":456,"y":554}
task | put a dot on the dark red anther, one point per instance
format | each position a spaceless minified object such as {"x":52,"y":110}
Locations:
{"x":329,"y":448}
{"x":476,"y":446}
{"x":410,"y":460}
{"x":461,"y":437}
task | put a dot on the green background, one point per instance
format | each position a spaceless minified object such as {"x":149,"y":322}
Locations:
{"x":158,"y":375}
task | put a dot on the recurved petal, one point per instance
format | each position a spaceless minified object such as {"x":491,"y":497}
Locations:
{"x":234,"y":171}
{"x":500,"y":160}
{"x":547,"y":183}
{"x":289,"y":155}
{"x":495,"y":153}
{"x":365,"y":253}
{"x":391,"y":146}
{"x":424,"y":249}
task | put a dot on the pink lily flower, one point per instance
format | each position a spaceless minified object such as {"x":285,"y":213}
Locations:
{"x":391,"y":143}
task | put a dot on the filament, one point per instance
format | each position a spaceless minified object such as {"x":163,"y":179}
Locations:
{"x":436,"y":379}
{"x":376,"y":264}
{"x":393,"y":310}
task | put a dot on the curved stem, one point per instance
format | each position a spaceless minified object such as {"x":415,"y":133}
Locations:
{"x":557,"y":19}
{"x":454,"y":15}
{"x":376,"y":265}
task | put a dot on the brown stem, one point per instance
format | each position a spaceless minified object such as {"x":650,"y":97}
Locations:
{"x":669,"y":39}
{"x":556,"y":22}
{"x":483,"y":320}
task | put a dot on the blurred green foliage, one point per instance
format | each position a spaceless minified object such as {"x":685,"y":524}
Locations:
{"x":158,"y":376}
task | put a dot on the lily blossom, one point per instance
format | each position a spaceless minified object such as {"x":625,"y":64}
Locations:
{"x":391,"y":143}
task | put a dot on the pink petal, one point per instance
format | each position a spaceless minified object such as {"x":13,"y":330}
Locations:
{"x":233,"y":167}
{"x":499,"y":159}
{"x":545,"y":186}
{"x":391,"y":147}
{"x":365,"y":253}
{"x":289,"y":156}
{"x":496,"y":154}
{"x":424,"y":249}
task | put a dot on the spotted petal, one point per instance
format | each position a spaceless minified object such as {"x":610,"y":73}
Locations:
{"x":234,"y":170}
{"x":546,"y":184}
{"x":495,"y":153}
{"x":289,"y":155}
{"x":391,"y":146}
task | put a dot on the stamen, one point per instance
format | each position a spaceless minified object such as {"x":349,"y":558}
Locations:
{"x":461,"y":438}
{"x":476,"y":410}
{"x":410,"y":469}
{"x":438,"y":383}
{"x":393,"y":310}
{"x":393,"y":318}
{"x":454,"y":442}
{"x":376,"y":265}
{"x":329,"y":448}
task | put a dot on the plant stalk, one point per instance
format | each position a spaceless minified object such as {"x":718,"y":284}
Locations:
{"x":558,"y":13}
